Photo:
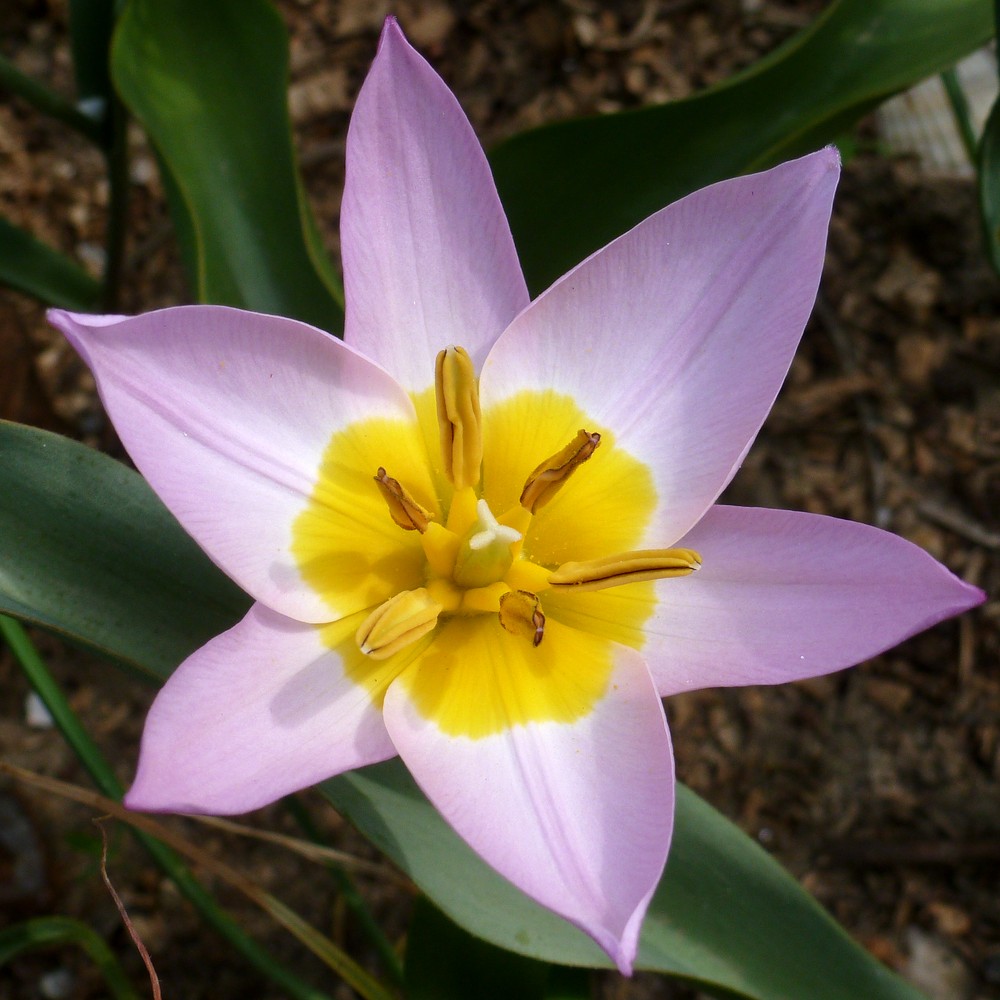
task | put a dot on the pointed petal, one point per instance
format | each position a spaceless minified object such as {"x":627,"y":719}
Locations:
{"x":576,"y":814}
{"x":676,"y":337}
{"x":260,"y":711}
{"x":230,"y":414}
{"x":428,"y":256}
{"x":783,"y":595}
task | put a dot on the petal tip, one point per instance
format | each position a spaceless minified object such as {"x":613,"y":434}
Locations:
{"x":138,"y":799}
{"x":621,"y":947}
{"x":392,"y":34}
{"x":830,"y":156}
{"x":972,"y":596}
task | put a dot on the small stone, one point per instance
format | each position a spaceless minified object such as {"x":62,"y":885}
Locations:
{"x":36,"y":714}
{"x":934,"y":968}
{"x":56,"y":985}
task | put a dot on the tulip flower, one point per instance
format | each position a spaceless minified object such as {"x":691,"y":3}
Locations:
{"x":481,"y":531}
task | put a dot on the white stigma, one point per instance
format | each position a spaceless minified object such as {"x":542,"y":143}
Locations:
{"x":491,"y":531}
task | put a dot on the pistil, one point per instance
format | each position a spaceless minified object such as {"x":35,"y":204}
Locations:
{"x":485,"y":555}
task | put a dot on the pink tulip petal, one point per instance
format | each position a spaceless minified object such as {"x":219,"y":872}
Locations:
{"x":784,"y":595}
{"x":577,"y":815}
{"x":676,"y":337}
{"x":428,"y":256}
{"x":227,"y":414}
{"x":260,"y":711}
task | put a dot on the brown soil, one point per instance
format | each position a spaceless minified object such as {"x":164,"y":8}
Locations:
{"x":877,"y":787}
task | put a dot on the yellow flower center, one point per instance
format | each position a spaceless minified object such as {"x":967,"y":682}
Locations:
{"x":469,"y":580}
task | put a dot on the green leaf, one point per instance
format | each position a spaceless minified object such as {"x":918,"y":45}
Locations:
{"x":33,"y":267}
{"x":726,"y":915}
{"x":207,"y":80}
{"x":87,"y":550}
{"x":445,"y":962}
{"x":570,"y":188}
{"x":54,"y":932}
{"x":989,"y":178}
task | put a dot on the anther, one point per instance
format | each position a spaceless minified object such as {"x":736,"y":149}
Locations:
{"x":459,"y":416}
{"x":521,"y":614}
{"x":397,"y":623}
{"x":403,"y":509}
{"x":626,"y":567}
{"x":546,"y":481}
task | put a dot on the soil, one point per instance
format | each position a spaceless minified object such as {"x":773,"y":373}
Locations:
{"x":877,"y":787}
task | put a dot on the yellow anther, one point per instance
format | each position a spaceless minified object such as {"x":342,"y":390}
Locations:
{"x":521,"y":614}
{"x":403,"y":509}
{"x":459,"y":416}
{"x":626,"y":567}
{"x":546,"y":481}
{"x":402,"y":620}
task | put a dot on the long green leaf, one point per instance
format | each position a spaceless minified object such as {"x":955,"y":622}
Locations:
{"x":208,"y":80}
{"x":989,"y":176}
{"x":35,"y":268}
{"x":725,"y":916}
{"x":571,"y":187}
{"x":55,"y":932}
{"x":87,"y":550}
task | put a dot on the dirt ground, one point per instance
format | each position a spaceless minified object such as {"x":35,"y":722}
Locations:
{"x":877,"y":787}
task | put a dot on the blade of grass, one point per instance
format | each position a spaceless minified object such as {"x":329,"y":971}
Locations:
{"x":86,"y":750}
{"x":960,"y":109}
{"x":52,"y":932}
{"x":49,"y":102}
{"x":321,"y":946}
{"x":352,"y":898}
{"x":312,"y":850}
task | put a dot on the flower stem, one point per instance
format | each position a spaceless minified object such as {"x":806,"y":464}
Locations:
{"x":116,"y":157}
{"x":91,"y":758}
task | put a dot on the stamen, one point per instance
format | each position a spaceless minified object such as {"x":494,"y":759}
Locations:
{"x":627,"y":567}
{"x":403,"y":509}
{"x":546,"y":481}
{"x":521,"y":614}
{"x":402,"y":620}
{"x":459,"y":416}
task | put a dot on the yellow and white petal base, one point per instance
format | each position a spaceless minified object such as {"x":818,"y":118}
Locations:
{"x":479,"y":570}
